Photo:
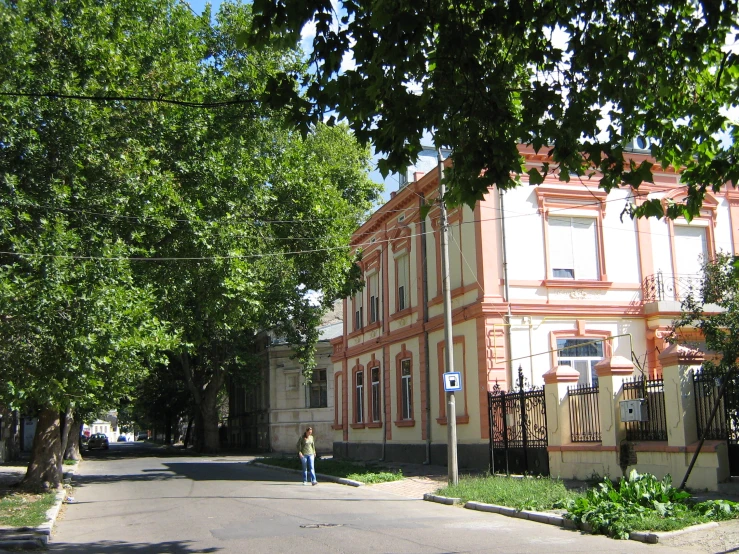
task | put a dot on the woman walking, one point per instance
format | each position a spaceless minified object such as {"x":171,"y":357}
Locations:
{"x":307,"y":453}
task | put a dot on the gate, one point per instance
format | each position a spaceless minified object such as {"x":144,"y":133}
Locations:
{"x":725,"y":425}
{"x":518,"y":430}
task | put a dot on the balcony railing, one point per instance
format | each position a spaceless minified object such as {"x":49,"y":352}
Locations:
{"x":666,"y":286}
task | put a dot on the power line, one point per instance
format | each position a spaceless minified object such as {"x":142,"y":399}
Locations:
{"x":160,"y":100}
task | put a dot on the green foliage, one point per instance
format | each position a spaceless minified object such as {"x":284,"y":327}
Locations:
{"x":718,"y":510}
{"x":486,"y":76}
{"x":528,"y":493}
{"x":368,"y":474}
{"x":618,"y":510}
{"x":131,"y":229}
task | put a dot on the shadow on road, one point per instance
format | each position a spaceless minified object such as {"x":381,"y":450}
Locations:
{"x":195,"y":471}
{"x":120,"y":547}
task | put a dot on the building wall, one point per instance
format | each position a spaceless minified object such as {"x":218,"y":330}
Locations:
{"x":290,"y":411}
{"x":600,"y":298}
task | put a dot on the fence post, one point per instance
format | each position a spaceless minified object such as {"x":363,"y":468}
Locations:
{"x":611,"y":374}
{"x":556,"y":381}
{"x":678,"y":362}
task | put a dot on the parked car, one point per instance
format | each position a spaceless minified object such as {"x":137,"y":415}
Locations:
{"x":121,"y":438}
{"x":98,"y":440}
{"x":142,"y":436}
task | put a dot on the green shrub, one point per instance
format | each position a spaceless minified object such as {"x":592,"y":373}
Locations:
{"x":718,"y":509}
{"x":640,"y":502}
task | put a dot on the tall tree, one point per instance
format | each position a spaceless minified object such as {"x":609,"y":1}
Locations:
{"x":579,"y":78}
{"x":152,"y":204}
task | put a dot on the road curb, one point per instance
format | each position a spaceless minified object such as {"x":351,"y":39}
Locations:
{"x":29,"y":538}
{"x":331,"y":478}
{"x":652,"y":537}
{"x":441,"y":499}
{"x":547,"y":518}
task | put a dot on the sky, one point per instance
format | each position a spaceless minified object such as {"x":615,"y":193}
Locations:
{"x":392,"y":181}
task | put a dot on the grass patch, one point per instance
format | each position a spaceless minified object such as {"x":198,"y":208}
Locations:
{"x":69,"y":462}
{"x":368,"y":474}
{"x":652,"y":521}
{"x":25,"y":510}
{"x":528,"y":493}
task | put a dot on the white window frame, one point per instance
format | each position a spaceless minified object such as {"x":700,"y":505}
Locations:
{"x":358,"y":311}
{"x":402,"y":277}
{"x":373,"y":286}
{"x":359,"y":397}
{"x":578,"y":362}
{"x":579,"y":270}
{"x":406,"y":390}
{"x":376,"y":398}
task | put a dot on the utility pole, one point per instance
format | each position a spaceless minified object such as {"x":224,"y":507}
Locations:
{"x":451,"y":408}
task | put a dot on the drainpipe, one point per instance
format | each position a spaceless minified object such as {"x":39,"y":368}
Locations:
{"x":424,"y":277}
{"x":383,"y":267}
{"x":531,"y":350}
{"x":506,"y":291}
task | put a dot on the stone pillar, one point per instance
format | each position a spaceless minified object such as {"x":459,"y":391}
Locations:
{"x":611,"y":374}
{"x":556,"y":382}
{"x":678,"y":363}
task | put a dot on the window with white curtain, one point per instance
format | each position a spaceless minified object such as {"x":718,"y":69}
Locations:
{"x":691,"y":249}
{"x":573,"y":248}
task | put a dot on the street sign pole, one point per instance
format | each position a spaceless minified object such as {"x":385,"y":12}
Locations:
{"x":451,"y":409}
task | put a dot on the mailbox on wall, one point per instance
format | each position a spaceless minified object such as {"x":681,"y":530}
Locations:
{"x":634,"y":410}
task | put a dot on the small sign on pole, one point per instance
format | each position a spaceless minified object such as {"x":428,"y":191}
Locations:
{"x":452,"y":381}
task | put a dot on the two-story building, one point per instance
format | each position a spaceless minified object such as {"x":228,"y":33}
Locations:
{"x":541,"y":276}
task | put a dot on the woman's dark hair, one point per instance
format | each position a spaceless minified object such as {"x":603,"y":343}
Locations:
{"x":305,"y":435}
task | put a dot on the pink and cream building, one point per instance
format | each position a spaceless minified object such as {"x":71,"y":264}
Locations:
{"x":547,"y":275}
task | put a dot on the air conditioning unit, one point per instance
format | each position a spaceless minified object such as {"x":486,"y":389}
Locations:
{"x":634,"y":410}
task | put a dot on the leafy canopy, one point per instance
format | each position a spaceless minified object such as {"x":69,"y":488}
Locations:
{"x":486,"y":76}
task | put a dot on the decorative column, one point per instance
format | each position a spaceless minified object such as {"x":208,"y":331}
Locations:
{"x":678,"y":362}
{"x":611,"y":372}
{"x":556,"y":382}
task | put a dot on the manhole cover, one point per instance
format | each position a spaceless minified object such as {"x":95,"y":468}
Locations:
{"x":318,"y":525}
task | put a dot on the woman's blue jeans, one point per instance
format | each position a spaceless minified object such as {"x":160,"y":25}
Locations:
{"x":308,"y":461}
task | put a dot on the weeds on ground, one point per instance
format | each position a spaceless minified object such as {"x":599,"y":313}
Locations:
{"x":368,"y":474}
{"x":521,"y":493}
{"x":19,"y":509}
{"x":642,"y":502}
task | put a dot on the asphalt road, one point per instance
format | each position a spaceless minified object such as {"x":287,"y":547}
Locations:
{"x":135,"y":498}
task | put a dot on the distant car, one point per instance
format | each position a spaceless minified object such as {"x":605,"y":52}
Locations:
{"x":142,"y":436}
{"x":121,"y":438}
{"x":98,"y":440}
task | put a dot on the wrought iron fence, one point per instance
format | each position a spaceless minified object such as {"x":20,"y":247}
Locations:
{"x":662,"y":286}
{"x":584,"y":414}
{"x":654,"y":392}
{"x":706,"y":385}
{"x":518,"y":430}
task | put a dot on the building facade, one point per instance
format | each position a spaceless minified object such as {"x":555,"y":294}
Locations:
{"x":541,"y":276}
{"x":270,"y":414}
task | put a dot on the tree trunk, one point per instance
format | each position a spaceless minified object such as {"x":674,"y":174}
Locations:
{"x":44,"y":469}
{"x":168,"y":428}
{"x":72,"y":452}
{"x":188,"y":432}
{"x":67,"y":422}
{"x":209,"y":429}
